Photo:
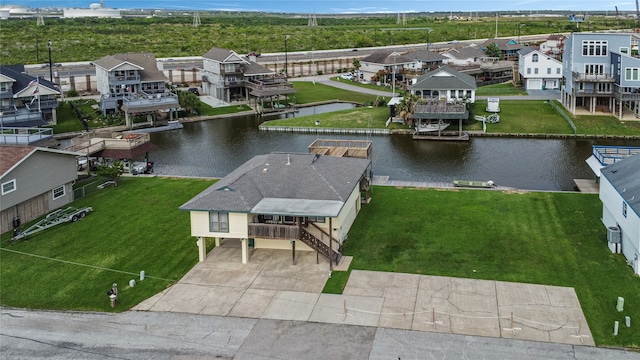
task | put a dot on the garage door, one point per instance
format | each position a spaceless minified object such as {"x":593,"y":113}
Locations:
{"x":534,"y":84}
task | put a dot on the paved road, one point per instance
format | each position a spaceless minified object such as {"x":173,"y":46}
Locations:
{"x":26,"y":334}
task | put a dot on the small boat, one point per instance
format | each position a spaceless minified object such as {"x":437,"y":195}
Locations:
{"x":474,"y":184}
{"x":430,"y":127}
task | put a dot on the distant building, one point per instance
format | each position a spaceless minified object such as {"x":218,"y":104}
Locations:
{"x":132,"y":83}
{"x":228,"y":76}
{"x":553,"y":45}
{"x":379,"y":67}
{"x":464,"y":56}
{"x":26,"y":101}
{"x":426,"y":60}
{"x":508,"y":47}
{"x":94,"y":10}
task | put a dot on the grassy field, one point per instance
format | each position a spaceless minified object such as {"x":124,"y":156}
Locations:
{"x":358,"y":118}
{"x":308,"y":93}
{"x":523,"y":116}
{"x":540,"y":238}
{"x":134,"y":227}
{"x":500,"y":89}
{"x":88,"y":39}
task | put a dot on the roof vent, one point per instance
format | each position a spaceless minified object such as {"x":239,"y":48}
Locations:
{"x":288,"y":159}
{"x":265,"y":170}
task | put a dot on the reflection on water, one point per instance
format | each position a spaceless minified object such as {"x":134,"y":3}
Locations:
{"x":214,"y":148}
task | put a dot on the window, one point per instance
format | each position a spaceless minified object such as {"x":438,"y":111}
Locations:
{"x":8,"y":186}
{"x":594,"y":69}
{"x":229,"y":67}
{"x":535,"y":70}
{"x":624,"y":209}
{"x":624,"y":50}
{"x":528,"y":70}
{"x":557,"y":70}
{"x":58,"y":192}
{"x":549,"y":71}
{"x":218,"y":221}
{"x":631,"y":74}
{"x":534,"y":58}
{"x":318,"y":219}
{"x":594,"y":47}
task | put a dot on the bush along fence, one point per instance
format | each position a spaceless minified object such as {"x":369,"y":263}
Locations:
{"x":564,"y":115}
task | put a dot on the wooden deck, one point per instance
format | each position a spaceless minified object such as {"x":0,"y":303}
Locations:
{"x":445,"y":136}
{"x":342,"y":148}
{"x":587,"y":186}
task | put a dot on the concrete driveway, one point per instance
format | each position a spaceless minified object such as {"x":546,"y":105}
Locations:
{"x":270,"y":287}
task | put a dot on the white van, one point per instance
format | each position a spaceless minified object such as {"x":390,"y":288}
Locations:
{"x":493,"y":105}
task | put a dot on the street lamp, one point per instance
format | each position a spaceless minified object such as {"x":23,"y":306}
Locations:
{"x":519,"y":27}
{"x":50,"y":63}
{"x":286,"y":60}
{"x":429,"y":31}
{"x":394,"y":55}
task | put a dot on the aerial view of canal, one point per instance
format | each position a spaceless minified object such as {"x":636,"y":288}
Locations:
{"x":214,"y":148}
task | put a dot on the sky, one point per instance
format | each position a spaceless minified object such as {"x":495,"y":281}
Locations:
{"x":346,"y":6}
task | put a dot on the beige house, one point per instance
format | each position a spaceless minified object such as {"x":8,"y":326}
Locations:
{"x":34,"y":181}
{"x":302,"y":202}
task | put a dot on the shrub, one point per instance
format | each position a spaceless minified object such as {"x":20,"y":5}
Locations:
{"x":72,"y":93}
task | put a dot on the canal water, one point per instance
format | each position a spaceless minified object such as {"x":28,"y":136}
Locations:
{"x":216,"y":147}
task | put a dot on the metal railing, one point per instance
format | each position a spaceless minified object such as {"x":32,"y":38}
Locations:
{"x":274,"y":231}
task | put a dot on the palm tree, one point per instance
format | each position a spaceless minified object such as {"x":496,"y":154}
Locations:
{"x":188,"y":101}
{"x":406,"y":107}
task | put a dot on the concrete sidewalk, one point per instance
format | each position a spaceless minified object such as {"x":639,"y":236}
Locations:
{"x":270,"y":287}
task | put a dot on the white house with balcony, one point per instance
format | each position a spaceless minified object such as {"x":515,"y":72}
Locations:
{"x":132,"y":83}
{"x":539,"y":71}
{"x":600,"y":75}
{"x":297,"y":202}
{"x":620,"y":196}
{"x":26,"y":101}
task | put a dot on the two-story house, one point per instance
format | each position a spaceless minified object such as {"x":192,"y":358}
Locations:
{"x":620,"y":196}
{"x":382,"y":65}
{"x":34,"y":181}
{"x":301,"y":202}
{"x":600,"y":75}
{"x":26,"y":101}
{"x":426,"y":60}
{"x":508,"y":47}
{"x":132,"y":83}
{"x":464,"y":56}
{"x":553,"y":45}
{"x":228,"y":76}
{"x":539,"y":71}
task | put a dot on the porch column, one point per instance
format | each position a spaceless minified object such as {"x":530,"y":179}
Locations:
{"x":245,"y":250}
{"x":217,"y":240}
{"x":202,"y":248}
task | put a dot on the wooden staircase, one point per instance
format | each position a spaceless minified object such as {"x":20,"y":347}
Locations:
{"x":332,"y":253}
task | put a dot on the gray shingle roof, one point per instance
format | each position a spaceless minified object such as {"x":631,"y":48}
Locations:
{"x":22,"y":80}
{"x":526,"y":50}
{"x":624,"y":176}
{"x":223,"y":55}
{"x":267,"y":183}
{"x":252,"y":68}
{"x":424,"y":55}
{"x":444,"y":78}
{"x":467,"y":52}
{"x":385,"y":58}
{"x":147,"y":61}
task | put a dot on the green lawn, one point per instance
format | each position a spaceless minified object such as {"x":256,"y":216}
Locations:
{"x":134,"y":227}
{"x":307,"y":93}
{"x":541,"y":238}
{"x":523,"y":116}
{"x":500,"y":89}
{"x":358,"y":118}
{"x":232,"y":109}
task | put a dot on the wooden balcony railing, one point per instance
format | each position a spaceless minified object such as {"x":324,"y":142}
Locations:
{"x":274,"y":231}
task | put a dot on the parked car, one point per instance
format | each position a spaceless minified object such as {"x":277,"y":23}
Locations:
{"x":194,"y":90}
{"x":46,"y":66}
{"x":347,"y":76}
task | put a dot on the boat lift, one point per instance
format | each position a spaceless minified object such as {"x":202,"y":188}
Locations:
{"x":70,"y":214}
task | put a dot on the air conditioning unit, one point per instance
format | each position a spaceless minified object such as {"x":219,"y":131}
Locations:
{"x":613,"y":234}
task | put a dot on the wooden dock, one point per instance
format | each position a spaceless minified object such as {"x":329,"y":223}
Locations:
{"x":587,"y":186}
{"x":445,"y":136}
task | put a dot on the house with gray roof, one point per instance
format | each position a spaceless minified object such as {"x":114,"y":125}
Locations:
{"x":302,"y":202}
{"x":26,"y":101}
{"x":132,"y":83}
{"x":508,"y":47}
{"x":426,"y":60}
{"x":34,"y":181}
{"x":382,"y":65}
{"x":228,"y":76}
{"x":620,"y":196}
{"x":445,"y":84}
{"x":464,"y":56}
